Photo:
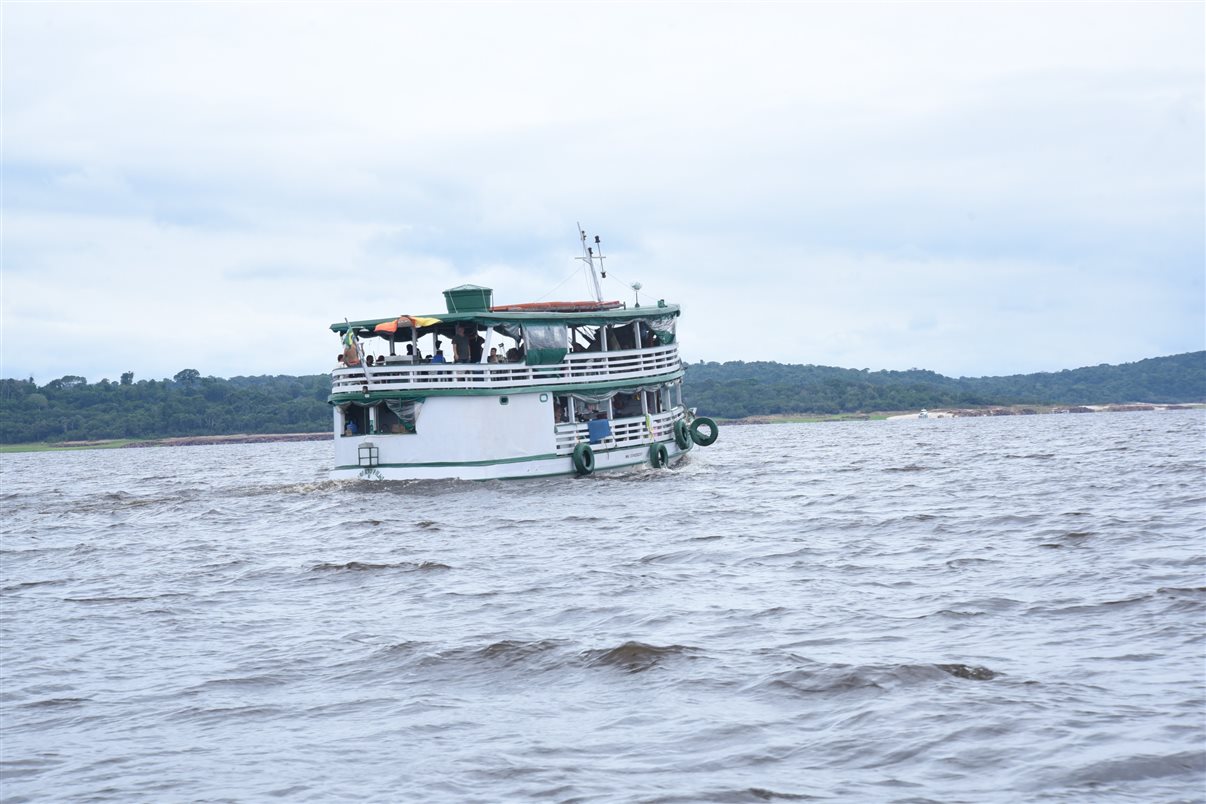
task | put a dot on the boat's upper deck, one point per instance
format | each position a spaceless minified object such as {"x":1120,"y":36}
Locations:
{"x":557,"y":344}
{"x":584,"y":368}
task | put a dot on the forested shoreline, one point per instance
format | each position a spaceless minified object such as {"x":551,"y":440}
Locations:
{"x":72,"y":409}
{"x":737,"y":390}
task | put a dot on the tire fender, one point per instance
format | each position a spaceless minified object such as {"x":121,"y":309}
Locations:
{"x":584,"y":459}
{"x":704,"y":423}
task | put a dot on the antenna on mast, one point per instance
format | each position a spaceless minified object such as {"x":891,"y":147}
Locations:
{"x":588,"y":256}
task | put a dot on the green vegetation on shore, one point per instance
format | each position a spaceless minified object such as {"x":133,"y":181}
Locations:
{"x":59,"y":446}
{"x":738,"y":390}
{"x":71,"y":409}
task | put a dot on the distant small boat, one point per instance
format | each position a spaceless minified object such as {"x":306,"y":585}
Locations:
{"x":924,"y":414}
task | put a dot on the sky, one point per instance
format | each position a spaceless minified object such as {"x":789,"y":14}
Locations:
{"x":972,"y":188}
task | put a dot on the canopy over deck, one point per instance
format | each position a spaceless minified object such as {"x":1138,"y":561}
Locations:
{"x":497,"y":316}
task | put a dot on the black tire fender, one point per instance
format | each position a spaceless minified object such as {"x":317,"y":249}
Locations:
{"x":682,"y":435}
{"x":703,"y":422}
{"x":584,"y":459}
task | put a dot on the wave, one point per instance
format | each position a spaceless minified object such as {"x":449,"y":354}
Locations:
{"x":635,"y":657}
{"x":1138,"y":768}
{"x":366,"y":566}
{"x":841,"y":678}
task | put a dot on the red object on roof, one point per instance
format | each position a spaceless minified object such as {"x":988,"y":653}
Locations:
{"x":557,"y":307}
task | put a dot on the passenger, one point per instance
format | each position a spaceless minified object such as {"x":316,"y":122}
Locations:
{"x":512,"y":355}
{"x":339,"y":359}
{"x":460,"y":346}
{"x":350,"y":429}
{"x":476,"y":344}
{"x":368,"y":360}
{"x":438,"y":357}
{"x":493,"y":358}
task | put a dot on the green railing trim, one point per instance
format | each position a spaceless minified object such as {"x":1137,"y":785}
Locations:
{"x":359,"y":396}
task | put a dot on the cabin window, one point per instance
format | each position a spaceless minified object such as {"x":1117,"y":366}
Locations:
{"x":663,"y":329}
{"x":627,"y":405}
{"x":545,"y":343}
{"x":354,"y":420}
{"x":398,"y":416}
{"x":504,"y":400}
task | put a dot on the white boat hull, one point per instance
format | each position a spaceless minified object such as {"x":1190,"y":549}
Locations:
{"x":606,"y":460}
{"x":494,"y":437}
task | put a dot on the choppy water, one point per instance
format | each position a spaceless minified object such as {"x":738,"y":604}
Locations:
{"x":945,"y":610}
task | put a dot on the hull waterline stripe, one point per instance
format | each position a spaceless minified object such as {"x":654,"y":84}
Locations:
{"x":497,"y":461}
{"x":556,"y":473}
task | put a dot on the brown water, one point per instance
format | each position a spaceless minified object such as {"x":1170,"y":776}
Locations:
{"x":941,"y":610}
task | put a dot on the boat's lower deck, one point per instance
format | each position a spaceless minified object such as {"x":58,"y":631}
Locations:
{"x":503,"y":436}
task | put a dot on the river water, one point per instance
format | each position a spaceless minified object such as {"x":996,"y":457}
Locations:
{"x":967,"y":610}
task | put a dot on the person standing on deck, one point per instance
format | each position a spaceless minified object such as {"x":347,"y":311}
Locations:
{"x":460,"y":346}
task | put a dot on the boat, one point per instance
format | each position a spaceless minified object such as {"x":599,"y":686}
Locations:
{"x":925,"y":414}
{"x":485,"y":391}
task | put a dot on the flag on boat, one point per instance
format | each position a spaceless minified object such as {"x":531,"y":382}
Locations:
{"x":351,"y":348}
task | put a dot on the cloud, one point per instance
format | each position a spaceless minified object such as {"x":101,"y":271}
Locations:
{"x":977,"y":189}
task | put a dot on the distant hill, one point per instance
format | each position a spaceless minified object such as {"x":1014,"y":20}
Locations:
{"x":71,"y":409}
{"x":735,"y":390}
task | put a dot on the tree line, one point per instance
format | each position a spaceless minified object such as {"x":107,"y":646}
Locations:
{"x":70,"y":408}
{"x":738,"y":389}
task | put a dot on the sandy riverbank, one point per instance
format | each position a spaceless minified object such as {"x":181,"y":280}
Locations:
{"x":1030,"y":410}
{"x":949,"y":413}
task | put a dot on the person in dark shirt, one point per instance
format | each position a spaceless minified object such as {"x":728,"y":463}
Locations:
{"x":460,"y":345}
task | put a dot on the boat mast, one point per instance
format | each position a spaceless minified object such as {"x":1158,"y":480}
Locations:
{"x":588,"y":256}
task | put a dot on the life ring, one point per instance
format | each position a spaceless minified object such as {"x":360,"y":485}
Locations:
{"x":659,"y":456}
{"x":713,"y":431}
{"x":682,"y":435}
{"x":584,"y":459}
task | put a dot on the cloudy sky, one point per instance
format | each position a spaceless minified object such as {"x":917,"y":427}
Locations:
{"x":975,"y":188}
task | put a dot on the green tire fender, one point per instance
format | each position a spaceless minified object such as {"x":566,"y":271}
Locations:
{"x":704,"y":423}
{"x":584,"y":459}
{"x":682,"y":435}
{"x":659,"y":456}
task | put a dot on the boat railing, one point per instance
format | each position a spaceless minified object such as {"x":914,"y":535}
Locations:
{"x":578,"y":367}
{"x":624,"y":432}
